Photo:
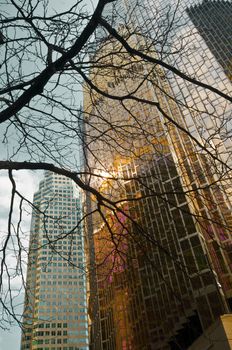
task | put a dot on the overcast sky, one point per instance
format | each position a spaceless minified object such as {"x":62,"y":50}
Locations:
{"x":27,"y":183}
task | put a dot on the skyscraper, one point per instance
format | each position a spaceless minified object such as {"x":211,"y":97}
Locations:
{"x":213,"y":21}
{"x":55,"y":313}
{"x":156,"y":286}
{"x":164,"y":255}
{"x":190,"y":46}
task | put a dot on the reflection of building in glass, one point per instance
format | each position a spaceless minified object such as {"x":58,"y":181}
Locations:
{"x":213,"y":21}
{"x":157,"y":287}
{"x":55,"y":314}
{"x":178,"y":40}
{"x":205,"y":115}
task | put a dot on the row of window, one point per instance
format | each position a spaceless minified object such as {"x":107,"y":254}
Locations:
{"x":59,"y":325}
{"x":57,"y":258}
{"x":65,"y":269}
{"x":59,"y":341}
{"x":60,"y":333}
{"x":60,"y":317}
{"x":61,"y":290}
{"x":49,"y":283}
{"x":64,"y":276}
{"x":64,"y":295}
{"x":63,"y":348}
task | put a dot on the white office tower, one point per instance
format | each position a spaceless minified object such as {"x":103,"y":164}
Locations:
{"x":55,"y":313}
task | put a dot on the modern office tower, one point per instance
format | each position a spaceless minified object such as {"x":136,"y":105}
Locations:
{"x":160,"y":235}
{"x":55,"y":313}
{"x":204,"y":114}
{"x":179,"y":36}
{"x":187,"y":46}
{"x":213,"y":21}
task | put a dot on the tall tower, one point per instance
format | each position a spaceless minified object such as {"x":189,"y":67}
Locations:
{"x":157,"y":288}
{"x":213,"y":21}
{"x":195,"y":37}
{"x":55,"y":313}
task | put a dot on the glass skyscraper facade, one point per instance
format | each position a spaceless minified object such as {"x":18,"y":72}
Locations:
{"x":165,"y":274}
{"x":198,"y":45}
{"x":55,"y":311}
{"x":212,"y":19}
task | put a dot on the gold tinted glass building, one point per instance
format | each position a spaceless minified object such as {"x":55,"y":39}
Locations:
{"x":159,"y":284}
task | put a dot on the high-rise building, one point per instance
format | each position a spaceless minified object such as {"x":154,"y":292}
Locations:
{"x":189,"y":45}
{"x":213,"y":21}
{"x":163,"y":256}
{"x":156,"y":286}
{"x":193,"y":36}
{"x":55,"y":311}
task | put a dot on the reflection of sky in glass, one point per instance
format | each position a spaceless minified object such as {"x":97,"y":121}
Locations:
{"x":179,"y":43}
